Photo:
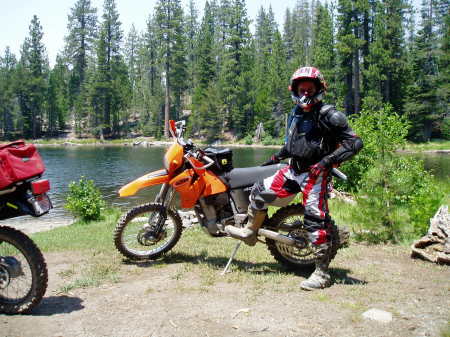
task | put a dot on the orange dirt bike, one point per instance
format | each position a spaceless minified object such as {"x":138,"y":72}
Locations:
{"x":219,"y":194}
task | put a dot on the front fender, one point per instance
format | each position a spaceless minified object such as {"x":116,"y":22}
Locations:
{"x":150,"y":179}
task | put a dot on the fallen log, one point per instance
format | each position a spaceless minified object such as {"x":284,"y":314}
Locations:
{"x":435,"y":246}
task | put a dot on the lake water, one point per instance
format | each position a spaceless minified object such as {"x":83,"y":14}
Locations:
{"x":113,"y":167}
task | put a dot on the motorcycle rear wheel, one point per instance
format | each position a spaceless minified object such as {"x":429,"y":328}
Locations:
{"x":293,"y":257}
{"x":23,"y":272}
{"x":132,"y":236}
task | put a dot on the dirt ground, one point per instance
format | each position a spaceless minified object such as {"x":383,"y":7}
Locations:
{"x":169,"y":300}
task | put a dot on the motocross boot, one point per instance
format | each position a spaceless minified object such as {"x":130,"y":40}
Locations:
{"x":320,"y":278}
{"x":249,"y":233}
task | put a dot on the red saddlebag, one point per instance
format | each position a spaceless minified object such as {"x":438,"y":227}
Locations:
{"x":19,"y":161}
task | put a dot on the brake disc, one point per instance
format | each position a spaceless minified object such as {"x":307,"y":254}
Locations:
{"x":10,"y":268}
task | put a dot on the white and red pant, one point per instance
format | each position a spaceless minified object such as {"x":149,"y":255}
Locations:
{"x":285,"y":183}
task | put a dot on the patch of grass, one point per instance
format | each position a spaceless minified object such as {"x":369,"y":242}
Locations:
{"x":354,"y":306}
{"x":445,"y":332}
{"x":149,"y":290}
{"x":321,"y":297}
{"x":178,"y":275}
{"x":79,"y":283}
{"x":100,"y":270}
{"x":80,"y":235}
{"x":68,"y":273}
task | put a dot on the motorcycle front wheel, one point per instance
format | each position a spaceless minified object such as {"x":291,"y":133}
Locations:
{"x":289,"y":221}
{"x":23,"y":272}
{"x":147,"y":231}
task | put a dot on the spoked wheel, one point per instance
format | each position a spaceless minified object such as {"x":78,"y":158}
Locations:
{"x":23,"y":272}
{"x":289,"y":221}
{"x":147,"y":231}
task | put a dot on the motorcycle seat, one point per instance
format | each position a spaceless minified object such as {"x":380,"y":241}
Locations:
{"x":247,"y":176}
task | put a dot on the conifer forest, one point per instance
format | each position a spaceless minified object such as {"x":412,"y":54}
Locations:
{"x":226,"y":72}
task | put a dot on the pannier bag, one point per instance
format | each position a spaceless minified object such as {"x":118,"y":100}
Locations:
{"x":223,"y":159}
{"x":19,"y":161}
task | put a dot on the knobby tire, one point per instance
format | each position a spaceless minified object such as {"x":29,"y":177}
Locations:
{"x":135,"y":213}
{"x":38,"y":269}
{"x":273,"y":246}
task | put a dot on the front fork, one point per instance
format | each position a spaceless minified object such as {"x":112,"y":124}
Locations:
{"x":165,"y":195}
{"x":156,"y":221}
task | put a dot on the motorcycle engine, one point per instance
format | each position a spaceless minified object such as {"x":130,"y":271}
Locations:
{"x":214,"y":213}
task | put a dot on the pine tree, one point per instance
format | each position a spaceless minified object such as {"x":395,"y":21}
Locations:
{"x":205,"y":72}
{"x":80,"y":44}
{"x":131,"y":54}
{"x":7,"y":101}
{"x":301,"y":22}
{"x":323,"y":54}
{"x":288,"y":35}
{"x":57,"y":98}
{"x":132,"y":47}
{"x":149,"y":86}
{"x":170,"y":35}
{"x":111,"y":86}
{"x":31,"y":86}
{"x":349,"y":44}
{"x":424,"y":106}
{"x":443,"y":89}
{"x":278,"y":78}
{"x":263,"y":91}
{"x":386,"y":73}
{"x":234,"y":78}
{"x":191,"y":31}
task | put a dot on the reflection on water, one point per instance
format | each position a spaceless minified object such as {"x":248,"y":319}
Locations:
{"x":437,"y":163}
{"x":113,"y":167}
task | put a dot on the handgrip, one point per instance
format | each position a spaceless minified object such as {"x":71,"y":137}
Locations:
{"x":339,"y":174}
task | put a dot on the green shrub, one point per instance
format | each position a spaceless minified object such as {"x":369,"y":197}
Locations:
{"x":84,"y":200}
{"x":382,"y":131}
{"x":248,"y":140}
{"x":269,"y":140}
{"x":397,"y":197}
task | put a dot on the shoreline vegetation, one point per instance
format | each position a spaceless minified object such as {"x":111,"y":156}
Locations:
{"x":434,"y":146}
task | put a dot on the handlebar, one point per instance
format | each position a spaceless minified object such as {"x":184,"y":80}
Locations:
{"x":209,"y":160}
{"x":199,"y":154}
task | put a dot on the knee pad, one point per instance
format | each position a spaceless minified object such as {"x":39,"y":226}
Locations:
{"x":257,"y":196}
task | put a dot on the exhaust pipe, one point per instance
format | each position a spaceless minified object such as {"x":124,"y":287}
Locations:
{"x":277,"y":237}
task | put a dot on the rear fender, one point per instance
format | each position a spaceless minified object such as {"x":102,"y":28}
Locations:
{"x":150,"y":179}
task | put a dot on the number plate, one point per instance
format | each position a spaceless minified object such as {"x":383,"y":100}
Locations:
{"x":41,"y":204}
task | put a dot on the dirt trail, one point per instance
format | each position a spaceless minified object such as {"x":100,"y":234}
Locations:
{"x":172,"y":300}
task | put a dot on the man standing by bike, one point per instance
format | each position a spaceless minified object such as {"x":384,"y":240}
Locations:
{"x":318,"y":137}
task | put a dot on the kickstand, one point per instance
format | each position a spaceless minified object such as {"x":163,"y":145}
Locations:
{"x":225,"y":270}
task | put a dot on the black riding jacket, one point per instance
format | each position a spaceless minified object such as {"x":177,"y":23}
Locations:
{"x":322,"y":134}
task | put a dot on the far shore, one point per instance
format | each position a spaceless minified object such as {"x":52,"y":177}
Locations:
{"x":159,"y":143}
{"x":151,"y":143}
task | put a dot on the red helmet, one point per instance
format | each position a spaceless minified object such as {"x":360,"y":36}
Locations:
{"x":307,"y":74}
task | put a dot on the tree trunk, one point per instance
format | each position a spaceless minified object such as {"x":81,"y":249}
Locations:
{"x":167,"y":105}
{"x":348,"y":102}
{"x":356,"y":82}
{"x":365,"y":48}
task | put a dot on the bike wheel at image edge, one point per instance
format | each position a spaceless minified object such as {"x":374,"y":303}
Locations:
{"x":23,"y":272}
{"x":136,"y":237}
